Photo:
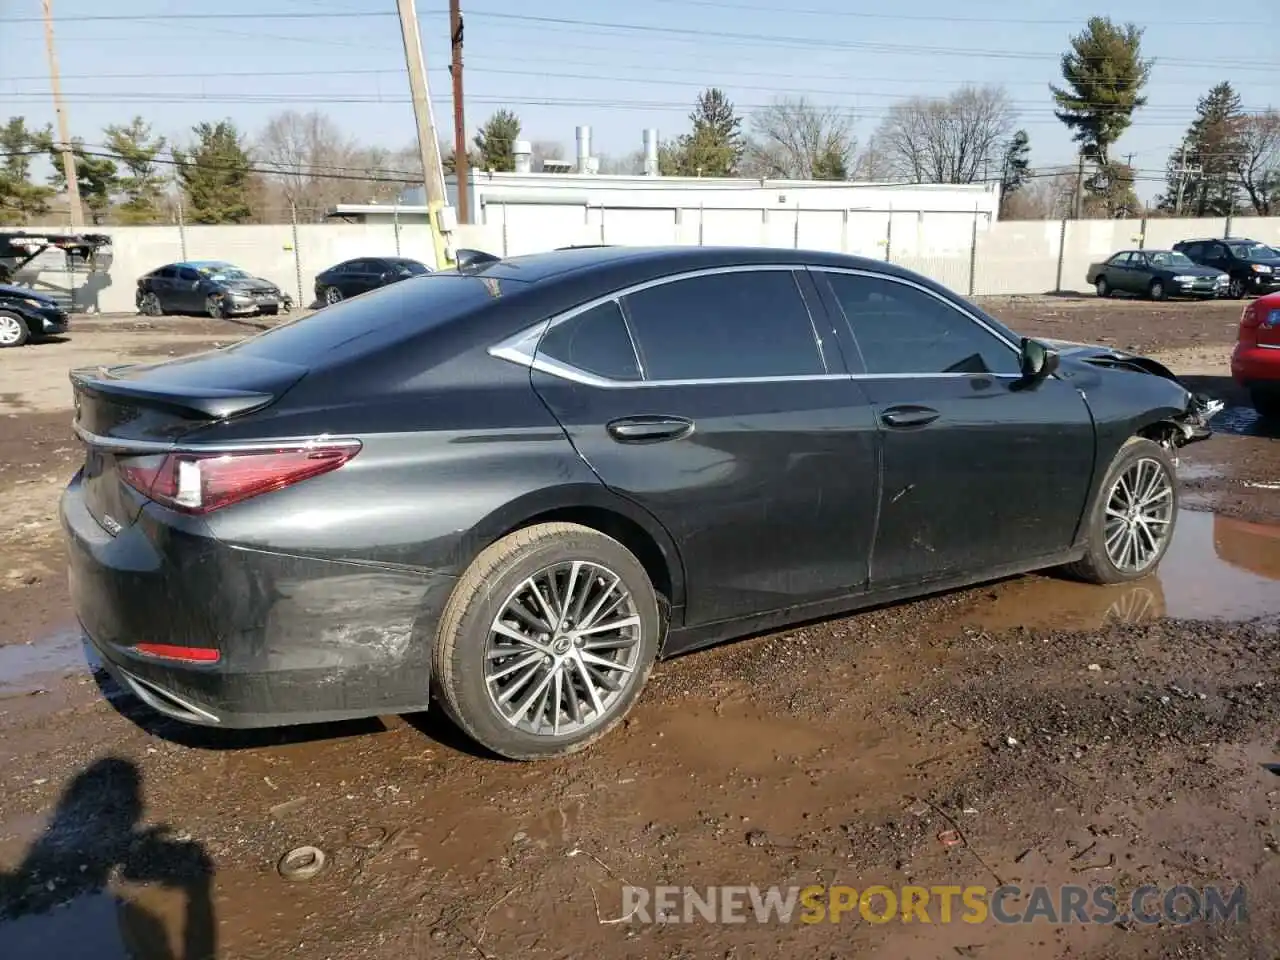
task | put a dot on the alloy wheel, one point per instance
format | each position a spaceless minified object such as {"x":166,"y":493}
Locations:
{"x":150,"y":305}
{"x":1236,"y":288}
{"x":10,"y":331}
{"x":214,"y":308}
{"x":1139,"y":516}
{"x":563,"y":649}
{"x":332,"y":295}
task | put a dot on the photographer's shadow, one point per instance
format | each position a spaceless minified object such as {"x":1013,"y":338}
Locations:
{"x":56,"y":903}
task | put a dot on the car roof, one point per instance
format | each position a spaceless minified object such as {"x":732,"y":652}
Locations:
{"x":535,"y":267}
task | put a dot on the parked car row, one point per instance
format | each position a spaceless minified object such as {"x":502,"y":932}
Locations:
{"x":1209,"y":268}
{"x":221,"y":289}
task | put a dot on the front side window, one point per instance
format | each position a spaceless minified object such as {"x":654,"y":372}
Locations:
{"x":186,"y":273}
{"x":594,"y":341}
{"x":901,"y":329}
{"x":1120,"y":259}
{"x":725,"y":326}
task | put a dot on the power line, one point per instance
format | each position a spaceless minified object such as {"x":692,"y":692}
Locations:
{"x":700,"y":36}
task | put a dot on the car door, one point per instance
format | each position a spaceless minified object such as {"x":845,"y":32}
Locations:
{"x":162,"y":285}
{"x":188,"y":296}
{"x":1138,"y":272}
{"x":719,"y":402}
{"x":980,"y":469}
{"x":366,"y":275}
{"x":1116,"y":272}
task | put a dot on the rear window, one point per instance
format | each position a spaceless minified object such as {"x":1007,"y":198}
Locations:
{"x":382,"y":317}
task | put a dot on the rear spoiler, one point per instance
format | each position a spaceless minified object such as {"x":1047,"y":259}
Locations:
{"x":211,"y":403}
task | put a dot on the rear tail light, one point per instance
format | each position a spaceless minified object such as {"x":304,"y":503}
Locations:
{"x":204,"y":482}
{"x":1249,"y":321}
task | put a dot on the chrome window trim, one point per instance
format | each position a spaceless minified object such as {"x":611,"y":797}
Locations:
{"x":522,"y":347}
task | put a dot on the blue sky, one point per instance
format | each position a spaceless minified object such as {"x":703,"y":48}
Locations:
{"x":536,"y":56}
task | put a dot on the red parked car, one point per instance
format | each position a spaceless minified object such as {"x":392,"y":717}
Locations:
{"x":1255,"y":362}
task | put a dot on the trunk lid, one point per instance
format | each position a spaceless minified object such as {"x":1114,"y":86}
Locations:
{"x":129,"y":416}
{"x":1268,"y":330}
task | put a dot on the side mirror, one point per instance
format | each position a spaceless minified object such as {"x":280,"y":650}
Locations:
{"x":1037,"y":360}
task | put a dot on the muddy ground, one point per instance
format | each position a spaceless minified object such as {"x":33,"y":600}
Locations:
{"x":1029,"y":731}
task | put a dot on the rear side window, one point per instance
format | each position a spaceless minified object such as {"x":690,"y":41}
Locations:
{"x":389,"y":313}
{"x":735,"y":325}
{"x":903,"y":330}
{"x":165,"y":273}
{"x":594,"y":341}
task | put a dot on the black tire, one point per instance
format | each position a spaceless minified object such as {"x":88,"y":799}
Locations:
{"x":1096,"y":566}
{"x":1103,"y":288}
{"x":1156,"y":291}
{"x":1235,"y":289}
{"x":14,"y":331}
{"x":214,"y":309}
{"x":331,"y":295}
{"x":150,"y":305}
{"x":1266,"y":403}
{"x":460,"y":656}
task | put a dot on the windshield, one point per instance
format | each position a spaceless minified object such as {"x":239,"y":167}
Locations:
{"x":1253,"y":251}
{"x":1167,"y":258}
{"x":409,"y":266}
{"x":224,"y":272}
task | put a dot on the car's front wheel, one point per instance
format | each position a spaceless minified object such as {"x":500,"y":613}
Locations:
{"x":1131,"y":523}
{"x":213,"y":307}
{"x":1266,"y":402}
{"x":332,"y":295}
{"x":149,"y":305}
{"x":13,"y":330}
{"x":1103,"y":288}
{"x":547,"y":641}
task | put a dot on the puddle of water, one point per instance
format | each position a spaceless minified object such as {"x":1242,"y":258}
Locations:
{"x":1217,"y":568}
{"x":1243,"y":421}
{"x":24,"y":665}
{"x":90,"y":927}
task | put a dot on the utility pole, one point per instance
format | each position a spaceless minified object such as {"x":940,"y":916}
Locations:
{"x":1079,"y":185}
{"x":1182,"y":171}
{"x":461,"y":172}
{"x":64,"y":134}
{"x":428,"y":145}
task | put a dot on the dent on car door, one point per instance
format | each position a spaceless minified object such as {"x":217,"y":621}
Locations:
{"x":711,"y":404}
{"x":981,"y":471}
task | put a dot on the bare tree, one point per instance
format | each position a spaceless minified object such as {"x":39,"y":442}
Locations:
{"x":629,"y":164}
{"x":796,"y":140}
{"x":1045,"y":196}
{"x":1259,"y":163}
{"x":314,"y":165}
{"x":545,"y":150}
{"x":873,"y":163}
{"x":954,"y":139}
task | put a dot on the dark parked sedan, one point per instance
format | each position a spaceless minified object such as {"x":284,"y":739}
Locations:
{"x":1156,"y":274}
{"x":212,"y":287}
{"x":524,"y":480}
{"x":354,"y":277}
{"x":26,"y":315}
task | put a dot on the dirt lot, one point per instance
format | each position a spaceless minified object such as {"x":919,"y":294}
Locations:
{"x":1033,"y":731}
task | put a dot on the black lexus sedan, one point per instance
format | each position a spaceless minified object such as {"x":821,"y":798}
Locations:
{"x":509,"y":489}
{"x":354,"y":277}
{"x":26,"y":315}
{"x":213,"y":287}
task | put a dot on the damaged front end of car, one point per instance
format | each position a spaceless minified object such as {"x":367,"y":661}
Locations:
{"x":1191,"y":425}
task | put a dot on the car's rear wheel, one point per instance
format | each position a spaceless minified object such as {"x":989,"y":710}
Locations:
{"x":547,"y":641}
{"x":13,"y":330}
{"x":332,"y":295}
{"x":149,"y":305}
{"x":1103,"y":288}
{"x":1156,"y":290}
{"x":1131,"y":523}
{"x":1266,"y":402}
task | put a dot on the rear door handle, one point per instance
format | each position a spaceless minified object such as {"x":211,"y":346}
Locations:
{"x":909,"y":416}
{"x":649,"y":429}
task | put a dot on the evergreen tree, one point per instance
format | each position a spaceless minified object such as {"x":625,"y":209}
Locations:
{"x":1015,"y":169}
{"x":21,"y":199}
{"x":142,"y":184}
{"x":1214,"y":146}
{"x":495,"y":143}
{"x":715,"y":145}
{"x":95,"y":175}
{"x":1105,"y":75}
{"x":216,"y":175}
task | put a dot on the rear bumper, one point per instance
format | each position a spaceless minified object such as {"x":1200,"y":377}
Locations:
{"x":1254,"y":366}
{"x":299,"y":639}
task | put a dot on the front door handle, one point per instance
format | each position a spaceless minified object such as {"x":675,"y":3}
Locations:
{"x":649,"y":429}
{"x":909,"y":416}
